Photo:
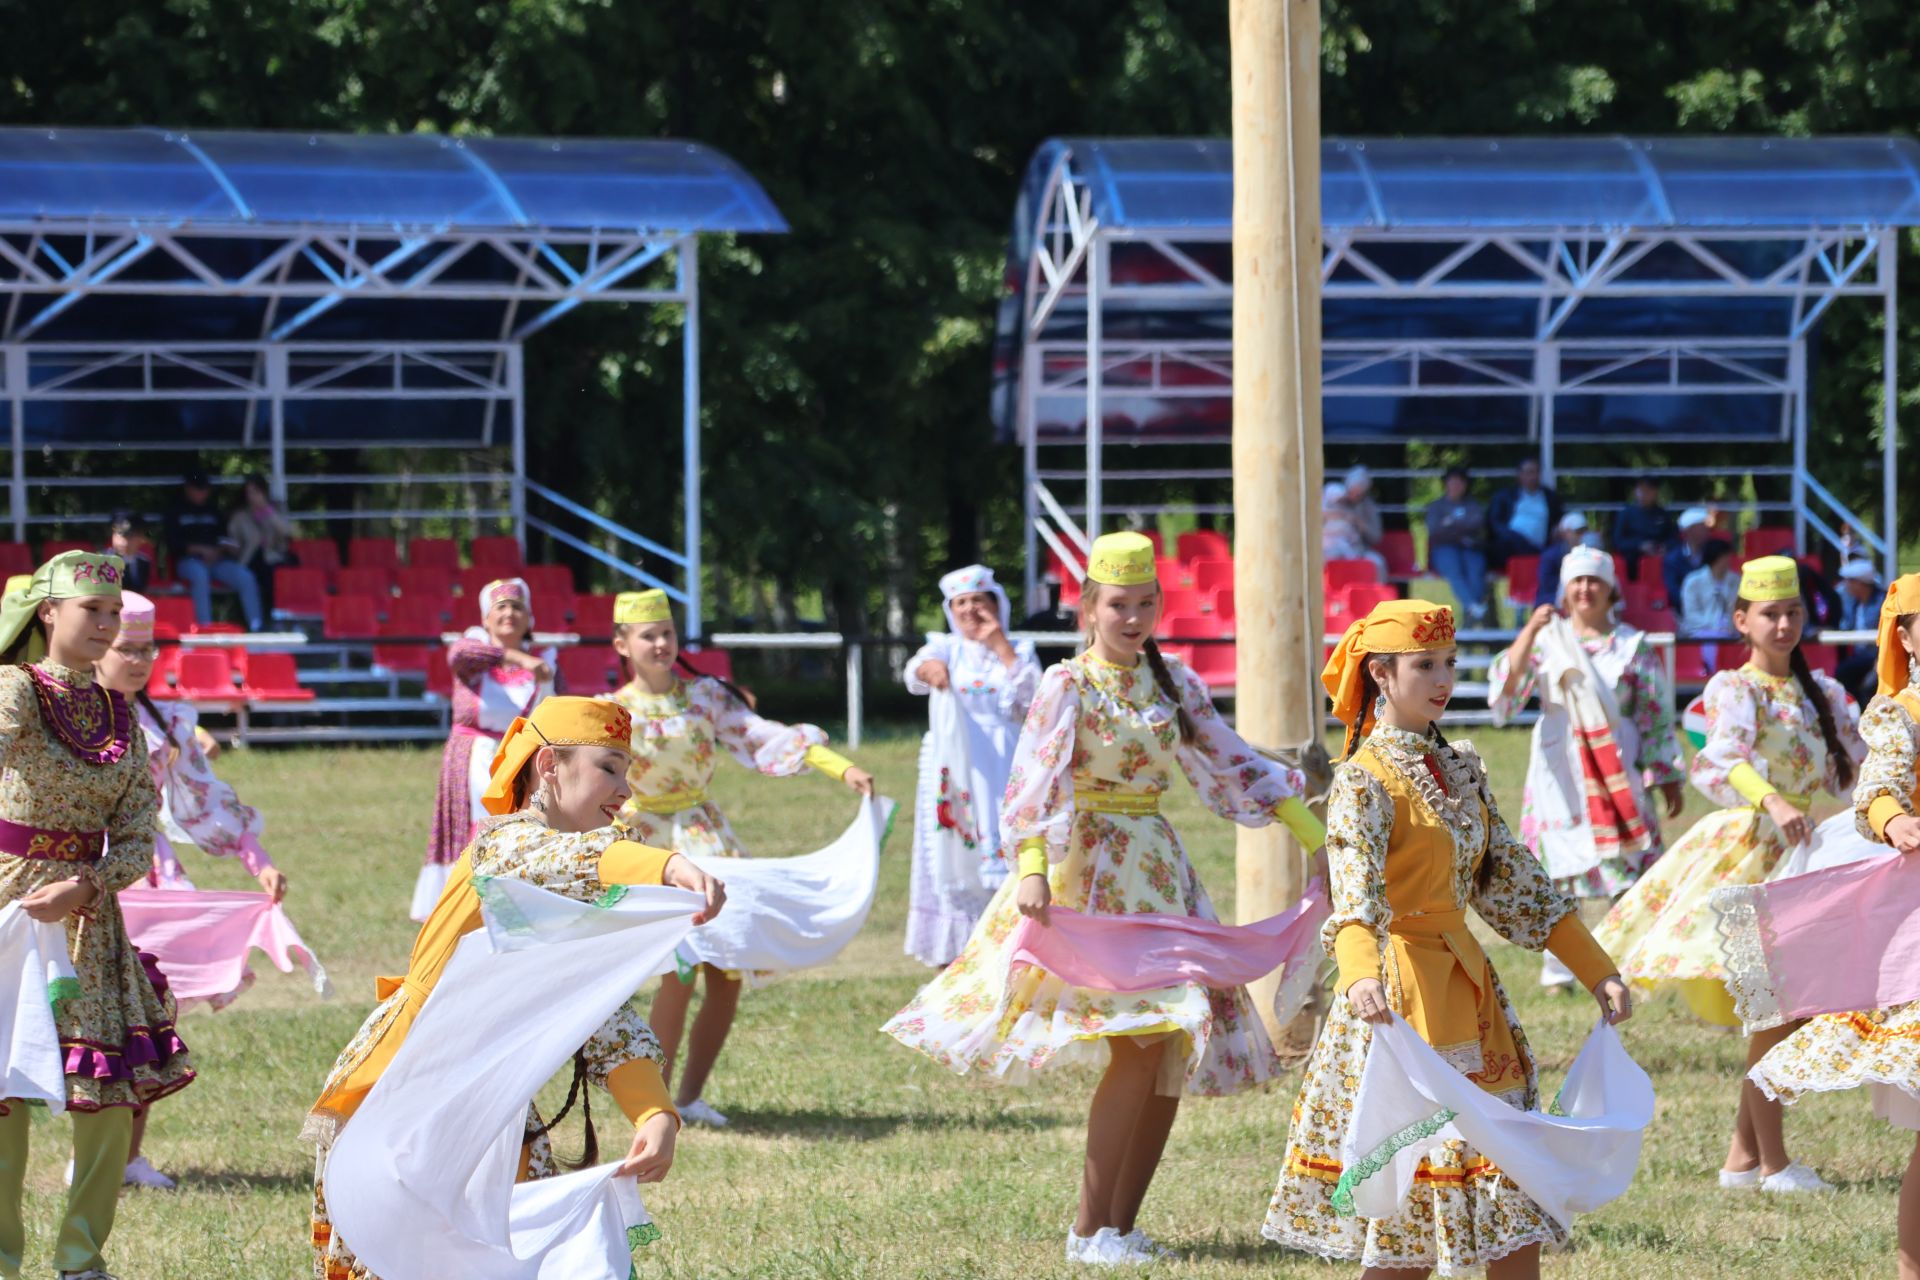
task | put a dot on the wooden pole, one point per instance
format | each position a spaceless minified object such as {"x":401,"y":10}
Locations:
{"x":1276,"y":412}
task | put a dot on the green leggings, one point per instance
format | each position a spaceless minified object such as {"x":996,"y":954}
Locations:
{"x":100,"y":1143}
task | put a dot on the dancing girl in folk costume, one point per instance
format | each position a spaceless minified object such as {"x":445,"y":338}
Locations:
{"x":1605,"y":740}
{"x":1107,"y":732}
{"x":496,"y":677}
{"x":978,"y":684}
{"x":559,"y":776}
{"x":679,"y":717}
{"x":1879,"y":1048}
{"x":1777,"y":732}
{"x":1415,"y":841}
{"x":77,"y":815}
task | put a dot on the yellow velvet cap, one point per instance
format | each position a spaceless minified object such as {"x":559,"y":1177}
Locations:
{"x":642,"y":606}
{"x":1903,"y":597}
{"x":557,"y":722}
{"x":1769,"y":578}
{"x":1121,"y":560}
{"x":1394,"y":626}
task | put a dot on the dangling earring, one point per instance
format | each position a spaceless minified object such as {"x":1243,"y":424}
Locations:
{"x":1380,"y":706}
{"x":542,"y":797}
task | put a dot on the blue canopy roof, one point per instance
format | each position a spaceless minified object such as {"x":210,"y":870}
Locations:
{"x":375,"y":182}
{"x":1491,"y":183}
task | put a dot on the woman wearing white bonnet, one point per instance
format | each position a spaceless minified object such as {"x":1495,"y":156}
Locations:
{"x":978,"y":683}
{"x":1606,"y":719}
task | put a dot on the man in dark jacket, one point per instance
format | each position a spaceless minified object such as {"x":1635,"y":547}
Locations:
{"x":197,"y":541}
{"x":1643,"y":527}
{"x":1521,"y":518}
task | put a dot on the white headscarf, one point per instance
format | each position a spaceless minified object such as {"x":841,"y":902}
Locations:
{"x":975,"y":577}
{"x":1587,"y":562}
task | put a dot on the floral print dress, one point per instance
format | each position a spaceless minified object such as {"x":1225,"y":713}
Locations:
{"x":1099,"y":737}
{"x":1646,"y":704}
{"x":1879,"y":1048}
{"x":675,"y":736}
{"x":118,"y":1031}
{"x":196,"y":806}
{"x":1665,"y":930}
{"x":1409,"y":825}
{"x":520,"y":845}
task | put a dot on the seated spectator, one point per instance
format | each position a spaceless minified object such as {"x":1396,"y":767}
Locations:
{"x":1643,"y":527}
{"x":1822,"y":601}
{"x":1521,"y":518}
{"x":1860,"y":597}
{"x":127,"y":538}
{"x":262,"y":537}
{"x":196,"y":539}
{"x":1456,"y":550}
{"x":1685,"y":557}
{"x":1570,"y":533}
{"x":1707,"y":595}
{"x":1350,"y":524}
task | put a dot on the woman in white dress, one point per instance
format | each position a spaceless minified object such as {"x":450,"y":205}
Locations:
{"x":978,"y":684}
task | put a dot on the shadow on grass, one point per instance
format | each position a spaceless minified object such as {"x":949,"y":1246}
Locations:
{"x":1253,"y":1250}
{"x":237,"y":1180}
{"x":815,"y":1123}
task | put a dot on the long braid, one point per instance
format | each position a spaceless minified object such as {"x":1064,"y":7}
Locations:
{"x":1369,"y":690}
{"x":590,"y":1150}
{"x":1842,"y":762}
{"x":692,"y":672}
{"x":145,"y":699}
{"x":1164,"y":678}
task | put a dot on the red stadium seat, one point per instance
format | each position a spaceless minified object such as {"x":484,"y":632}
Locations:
{"x":413,"y":618}
{"x":299,"y":593}
{"x":1396,"y":545}
{"x":408,"y":659}
{"x":1653,"y":569}
{"x":1197,"y":626}
{"x":1766,"y":540}
{"x":1340,"y":573}
{"x":593,"y":616}
{"x":1203,"y":544}
{"x":350,"y":618}
{"x":59,"y":546}
{"x":1223,"y":604}
{"x":1212,"y":575}
{"x":589,"y":669}
{"x":273,"y":677}
{"x":710,"y":662}
{"x":434,"y":553}
{"x":172,"y":617}
{"x":1690,"y":664}
{"x":1523,"y":578}
{"x":364,"y":580}
{"x":426,"y":581}
{"x":1181,"y":602}
{"x":216,"y":629}
{"x":1821,"y":657}
{"x":440,"y":676}
{"x":1644,"y":605}
{"x":16,"y":557}
{"x":373,"y":553}
{"x":1215,"y":664}
{"x":557,"y":578}
{"x":1172,"y":573}
{"x":160,"y":684}
{"x":1357,"y":599}
{"x":316,"y":553}
{"x":500,"y":555}
{"x":206,"y":675}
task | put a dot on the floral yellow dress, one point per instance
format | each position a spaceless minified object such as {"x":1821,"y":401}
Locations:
{"x":1100,"y":745}
{"x":76,"y":799}
{"x":1665,"y":930}
{"x":1879,"y":1048}
{"x":584,"y":866}
{"x":1414,"y":842}
{"x":676,"y":740}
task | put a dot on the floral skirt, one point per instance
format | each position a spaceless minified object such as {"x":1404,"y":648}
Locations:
{"x":1665,"y":932}
{"x":1880,"y":1049}
{"x":118,"y":1032}
{"x":973,"y":1018}
{"x":1463,"y":1211}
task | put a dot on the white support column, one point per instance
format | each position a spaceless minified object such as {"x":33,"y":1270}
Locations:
{"x":1096,"y":282}
{"x":517,"y":396}
{"x":690,"y":431}
{"x":17,"y":405}
{"x":276,"y":369}
{"x":1890,"y":400}
{"x":856,"y":693}
{"x":1025,"y":422}
{"x":1547,"y":376}
{"x":1797,"y":380}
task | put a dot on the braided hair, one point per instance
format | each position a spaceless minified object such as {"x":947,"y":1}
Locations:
{"x":1816,"y":698}
{"x":1156,"y":664}
{"x":590,"y":1149}
{"x":686,"y":669}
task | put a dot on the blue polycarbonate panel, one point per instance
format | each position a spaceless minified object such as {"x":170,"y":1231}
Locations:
{"x":1600,"y":183}
{"x":390,"y":182}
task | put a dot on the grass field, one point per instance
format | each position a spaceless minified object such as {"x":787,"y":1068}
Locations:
{"x":849,"y":1155}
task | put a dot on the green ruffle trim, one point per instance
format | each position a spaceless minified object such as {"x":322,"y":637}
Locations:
{"x":500,"y":907}
{"x":1382,"y":1156}
{"x":60,"y":991}
{"x":643,"y":1235}
{"x":611,"y":896}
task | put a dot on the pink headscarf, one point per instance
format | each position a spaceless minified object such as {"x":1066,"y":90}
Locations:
{"x":506,"y":589}
{"x":136,"y":617}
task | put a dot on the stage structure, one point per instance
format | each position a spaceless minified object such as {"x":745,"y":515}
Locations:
{"x":166,"y":290}
{"x":1565,"y":294}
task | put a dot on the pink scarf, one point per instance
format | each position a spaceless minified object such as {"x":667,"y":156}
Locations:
{"x":1148,"y":951}
{"x":201,"y":939}
{"x":1834,"y":941}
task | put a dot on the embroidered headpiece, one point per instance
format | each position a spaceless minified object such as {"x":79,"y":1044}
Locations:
{"x":1121,"y":560}
{"x":1769,"y":578}
{"x":136,"y":617}
{"x":973,"y":578}
{"x":642,"y":607}
{"x":1394,"y":626}
{"x":556,"y":722}
{"x":69,"y":574}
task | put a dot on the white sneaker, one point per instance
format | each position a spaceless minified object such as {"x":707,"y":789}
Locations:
{"x":1104,"y":1248}
{"x":141,"y":1173}
{"x":67,"y":1177}
{"x":701,"y":1112}
{"x":1741,"y":1179}
{"x":1142,"y":1243}
{"x":1795,"y":1177}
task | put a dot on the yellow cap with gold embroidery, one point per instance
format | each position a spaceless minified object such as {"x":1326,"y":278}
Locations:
{"x":1769,"y":578}
{"x":642,"y":607}
{"x":1121,"y":560}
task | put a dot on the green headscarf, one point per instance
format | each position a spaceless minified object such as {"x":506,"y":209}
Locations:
{"x":69,"y":574}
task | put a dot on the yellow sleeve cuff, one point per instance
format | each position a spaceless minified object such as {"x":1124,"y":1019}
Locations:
{"x":639,"y":1090}
{"x":1356,"y":949}
{"x":829,"y":762}
{"x":1746,"y":780}
{"x":1883,"y":810}
{"x":629,"y":862}
{"x":1033,"y":857}
{"x":1572,"y":945}
{"x":1306,"y":828}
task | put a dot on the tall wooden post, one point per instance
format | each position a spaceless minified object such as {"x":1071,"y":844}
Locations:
{"x":1276,"y":411}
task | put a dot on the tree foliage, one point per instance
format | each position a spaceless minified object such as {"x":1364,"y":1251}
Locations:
{"x":846,"y":365}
